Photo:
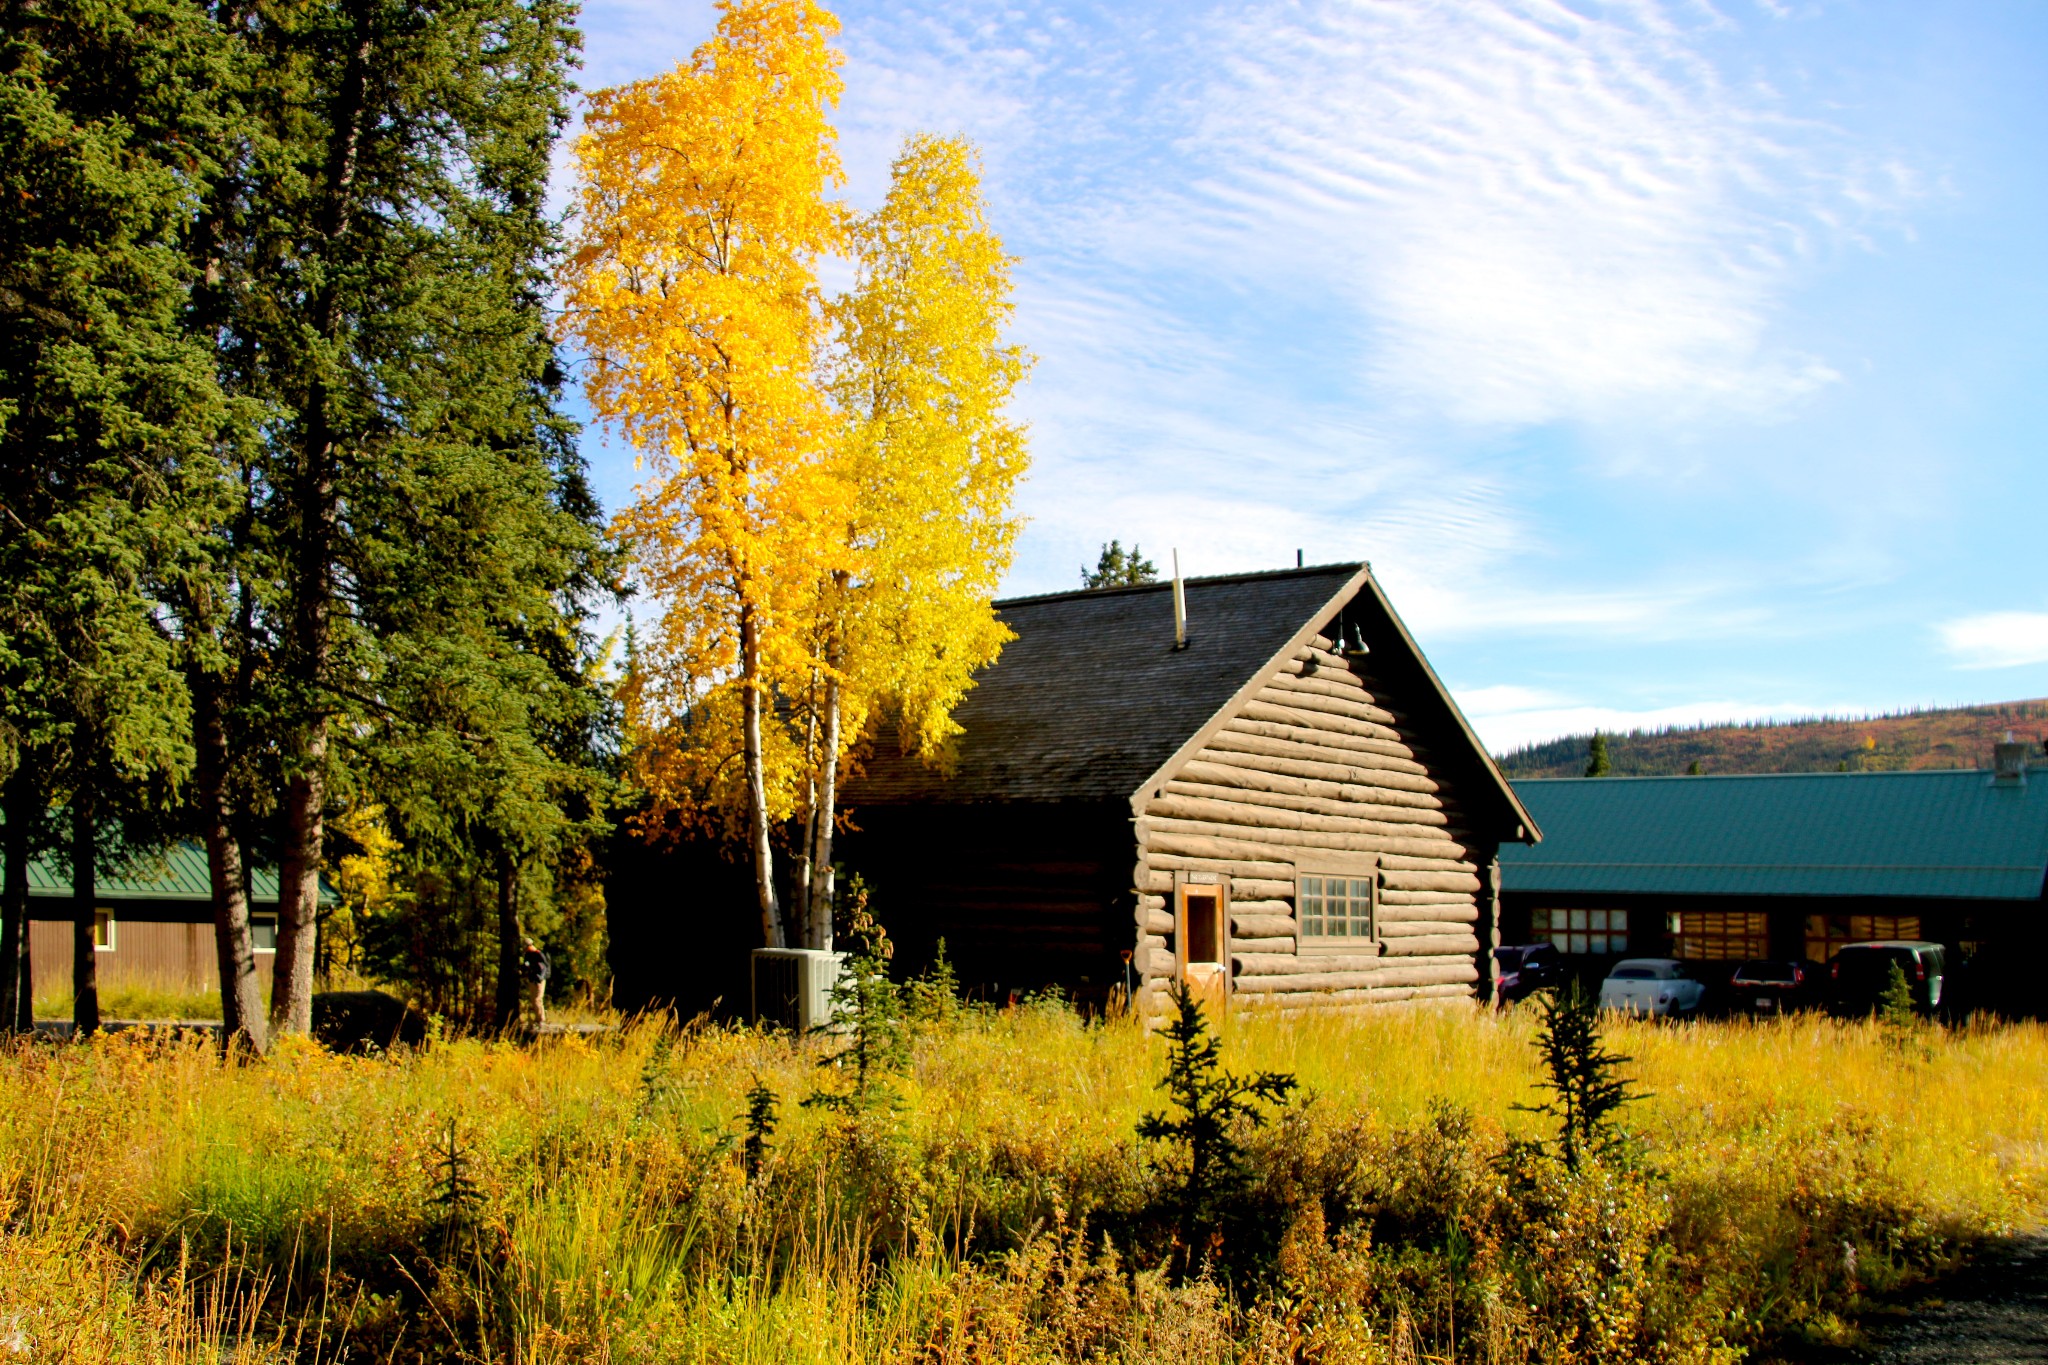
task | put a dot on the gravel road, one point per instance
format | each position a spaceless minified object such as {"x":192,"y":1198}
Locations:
{"x":1995,"y":1315}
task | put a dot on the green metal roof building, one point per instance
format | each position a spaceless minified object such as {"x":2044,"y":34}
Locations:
{"x":154,"y":924}
{"x":168,"y":881}
{"x":1793,"y":865}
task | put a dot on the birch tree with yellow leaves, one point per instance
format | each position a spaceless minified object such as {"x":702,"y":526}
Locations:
{"x":691,"y":286}
{"x":921,"y":374}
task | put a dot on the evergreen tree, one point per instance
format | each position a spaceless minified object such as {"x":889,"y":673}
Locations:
{"x":1579,"y":1074}
{"x":1118,"y":568}
{"x":1213,"y":1105}
{"x":410,"y":564}
{"x":107,"y":114}
{"x":1597,"y":764}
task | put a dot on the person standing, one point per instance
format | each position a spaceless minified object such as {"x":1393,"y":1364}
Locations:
{"x":533,"y":970}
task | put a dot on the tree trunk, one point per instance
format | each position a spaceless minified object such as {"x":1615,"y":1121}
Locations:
{"x":241,"y":1000}
{"x":800,"y":879}
{"x":298,"y":909}
{"x":298,"y":889}
{"x":757,"y":781}
{"x":510,"y":941}
{"x":24,"y":809}
{"x":818,"y":932}
{"x":85,"y":960}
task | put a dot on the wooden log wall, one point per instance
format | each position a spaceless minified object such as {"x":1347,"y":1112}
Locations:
{"x":1320,"y":761}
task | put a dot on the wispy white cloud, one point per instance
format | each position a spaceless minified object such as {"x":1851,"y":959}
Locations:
{"x":1997,"y":639}
{"x":1289,"y":265}
{"x":1544,"y":212}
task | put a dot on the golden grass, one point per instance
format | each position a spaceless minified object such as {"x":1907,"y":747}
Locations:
{"x":613,"y":1220}
{"x":134,"y":1002}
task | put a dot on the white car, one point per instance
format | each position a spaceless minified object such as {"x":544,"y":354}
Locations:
{"x":1653,"y":986}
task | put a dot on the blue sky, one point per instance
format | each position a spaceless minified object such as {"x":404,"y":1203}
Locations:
{"x":1669,"y":361}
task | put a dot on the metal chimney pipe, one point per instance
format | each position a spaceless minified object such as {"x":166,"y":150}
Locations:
{"x":1180,"y":607}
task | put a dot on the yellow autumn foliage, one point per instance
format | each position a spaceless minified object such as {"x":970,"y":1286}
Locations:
{"x":691,"y":286}
{"x":830,"y":507}
{"x":923,"y":375}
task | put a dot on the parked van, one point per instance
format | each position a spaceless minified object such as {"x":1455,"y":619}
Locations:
{"x":1859,"y":973}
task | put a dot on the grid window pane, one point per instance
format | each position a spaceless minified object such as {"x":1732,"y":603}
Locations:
{"x":1583,"y":932}
{"x":1334,"y":907}
{"x":1311,"y":907}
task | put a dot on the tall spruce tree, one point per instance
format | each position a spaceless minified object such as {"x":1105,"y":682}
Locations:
{"x":415,"y":518}
{"x":107,"y":114}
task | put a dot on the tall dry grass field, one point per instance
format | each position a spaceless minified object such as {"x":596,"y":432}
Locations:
{"x":592,"y":1199}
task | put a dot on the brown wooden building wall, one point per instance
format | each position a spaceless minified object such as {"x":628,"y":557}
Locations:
{"x":1026,"y":895}
{"x":163,"y":955}
{"x":1321,"y":761}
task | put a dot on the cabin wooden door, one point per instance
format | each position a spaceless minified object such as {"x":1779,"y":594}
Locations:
{"x":1202,"y":941}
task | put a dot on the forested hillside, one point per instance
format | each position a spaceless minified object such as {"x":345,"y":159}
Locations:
{"x":1955,"y":738}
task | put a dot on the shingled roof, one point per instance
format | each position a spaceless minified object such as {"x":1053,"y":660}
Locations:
{"x":1092,"y":700}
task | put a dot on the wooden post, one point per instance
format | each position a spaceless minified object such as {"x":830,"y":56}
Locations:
{"x":1490,"y":924}
{"x":1180,"y":607}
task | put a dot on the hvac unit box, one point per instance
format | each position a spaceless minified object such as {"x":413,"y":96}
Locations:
{"x":792,"y":987}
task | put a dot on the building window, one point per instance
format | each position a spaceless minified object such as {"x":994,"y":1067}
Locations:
{"x":1591,"y":932}
{"x":1203,"y":933}
{"x":1827,"y":934}
{"x":1334,"y":909}
{"x":1720,"y":935}
{"x":263,"y":933}
{"x":103,"y":929}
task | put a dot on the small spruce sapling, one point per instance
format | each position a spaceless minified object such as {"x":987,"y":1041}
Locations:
{"x":1597,"y":763}
{"x":1212,"y":1102}
{"x":934,"y":997}
{"x":1898,"y":1018}
{"x":657,"y":1085}
{"x":455,"y":1192}
{"x":760,"y":1126}
{"x":867,"y":1011}
{"x":1895,"y":1005}
{"x":1579,"y":1074}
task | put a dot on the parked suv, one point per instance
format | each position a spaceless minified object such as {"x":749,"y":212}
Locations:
{"x":1763,"y":988}
{"x":1528,"y":969}
{"x":1653,"y":986}
{"x":1859,"y":973}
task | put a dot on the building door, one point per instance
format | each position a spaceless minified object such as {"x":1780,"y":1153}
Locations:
{"x":1203,"y":937}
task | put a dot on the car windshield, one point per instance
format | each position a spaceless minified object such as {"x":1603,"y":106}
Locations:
{"x":1639,"y":971}
{"x":1767,"y":973}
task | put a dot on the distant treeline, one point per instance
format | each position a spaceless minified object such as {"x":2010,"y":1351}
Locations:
{"x":1950,"y":737}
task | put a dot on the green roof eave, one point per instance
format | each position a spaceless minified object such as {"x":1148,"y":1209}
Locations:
{"x":175,"y":873}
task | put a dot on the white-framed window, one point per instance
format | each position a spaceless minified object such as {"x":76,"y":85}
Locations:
{"x":263,"y":933}
{"x":103,"y":930}
{"x":1334,"y":908}
{"x":1591,"y":932}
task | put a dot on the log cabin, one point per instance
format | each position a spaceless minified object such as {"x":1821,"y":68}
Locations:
{"x":1255,"y":783}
